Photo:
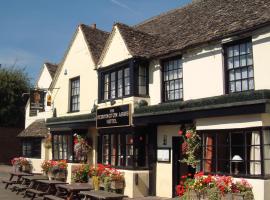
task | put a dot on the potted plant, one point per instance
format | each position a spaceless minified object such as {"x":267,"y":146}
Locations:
{"x":46,"y":166}
{"x":58,"y":170}
{"x":117,"y":179}
{"x":80,"y":174}
{"x":21,"y":164}
{"x":213,"y":187}
{"x":81,"y":148}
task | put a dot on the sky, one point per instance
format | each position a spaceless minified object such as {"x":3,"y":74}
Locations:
{"x":36,"y":31}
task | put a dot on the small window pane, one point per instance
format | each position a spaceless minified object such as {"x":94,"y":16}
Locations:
{"x":249,"y":47}
{"x":250,"y":72}
{"x":244,"y":85}
{"x":238,"y":74}
{"x":238,"y":86}
{"x":236,"y":50}
{"x":230,"y":52}
{"x":232,"y":86}
{"x":243,"y":60}
{"x":230,"y":63}
{"x":244,"y":72}
{"x":231,"y":75}
{"x":243,"y":49}
{"x":236,"y":62}
{"x":249,"y":60}
{"x":251,"y":84}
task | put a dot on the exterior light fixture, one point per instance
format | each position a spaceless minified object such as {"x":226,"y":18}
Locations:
{"x":65,"y":72}
{"x":164,"y":139}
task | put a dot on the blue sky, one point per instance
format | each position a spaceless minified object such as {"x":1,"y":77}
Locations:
{"x":36,"y":31}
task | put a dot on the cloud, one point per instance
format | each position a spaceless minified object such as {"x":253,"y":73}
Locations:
{"x":122,"y":5}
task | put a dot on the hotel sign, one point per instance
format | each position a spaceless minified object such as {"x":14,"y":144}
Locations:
{"x":117,"y":116}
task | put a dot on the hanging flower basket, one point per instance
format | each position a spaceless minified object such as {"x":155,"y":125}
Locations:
{"x":81,"y":148}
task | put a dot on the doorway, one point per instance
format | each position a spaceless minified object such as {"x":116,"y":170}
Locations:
{"x":179,"y":169}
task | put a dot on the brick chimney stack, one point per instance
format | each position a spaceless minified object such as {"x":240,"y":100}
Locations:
{"x":94,"y":26}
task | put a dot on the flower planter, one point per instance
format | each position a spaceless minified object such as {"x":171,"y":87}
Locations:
{"x":116,"y":185}
{"x":60,"y":176}
{"x":26,"y":168}
{"x":96,"y":182}
{"x":17,"y":168}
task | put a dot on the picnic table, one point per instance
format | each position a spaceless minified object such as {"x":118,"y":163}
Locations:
{"x":27,"y":182}
{"x":50,"y":188}
{"x":72,"y":190}
{"x":101,"y":195}
{"x":14,"y":174}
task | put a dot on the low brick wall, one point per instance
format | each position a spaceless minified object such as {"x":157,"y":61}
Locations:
{"x":10,"y":145}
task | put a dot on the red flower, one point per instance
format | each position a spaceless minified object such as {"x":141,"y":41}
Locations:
{"x":188,"y":135}
{"x":180,"y":132}
{"x":76,"y":141}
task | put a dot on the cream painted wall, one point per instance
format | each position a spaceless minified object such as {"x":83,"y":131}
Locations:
{"x":116,"y":50}
{"x":155,"y":78}
{"x":132,"y":190}
{"x":261,"y":49}
{"x":203,"y":74}
{"x":78,"y":62}
{"x":229,"y":122}
{"x":164,"y":170}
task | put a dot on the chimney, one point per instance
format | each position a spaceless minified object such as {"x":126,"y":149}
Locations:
{"x":94,"y":26}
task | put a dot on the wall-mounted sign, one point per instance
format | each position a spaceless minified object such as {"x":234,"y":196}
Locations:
{"x":116,"y":116}
{"x":164,"y":155}
{"x":37,"y":97}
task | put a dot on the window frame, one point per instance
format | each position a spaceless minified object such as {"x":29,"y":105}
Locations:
{"x":71,"y":95}
{"x":122,"y":147}
{"x":132,"y":65}
{"x":34,"y":152}
{"x":225,"y":47}
{"x":262,"y":160}
{"x":163,"y":85}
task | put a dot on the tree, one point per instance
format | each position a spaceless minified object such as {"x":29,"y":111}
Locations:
{"x":14,"y":82}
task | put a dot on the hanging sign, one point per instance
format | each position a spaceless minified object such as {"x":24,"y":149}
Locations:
{"x":37,"y":97}
{"x":117,"y":116}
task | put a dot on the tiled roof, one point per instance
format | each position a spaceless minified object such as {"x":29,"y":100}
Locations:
{"x":139,"y":43}
{"x":51,"y":68}
{"x":96,"y":40}
{"x":206,"y":20}
{"x":36,"y":129}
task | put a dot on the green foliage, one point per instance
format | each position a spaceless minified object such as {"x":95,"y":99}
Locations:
{"x":13,"y":83}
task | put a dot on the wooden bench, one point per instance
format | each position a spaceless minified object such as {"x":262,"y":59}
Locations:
{"x":8,"y":183}
{"x":34,"y":192}
{"x":51,"y":197}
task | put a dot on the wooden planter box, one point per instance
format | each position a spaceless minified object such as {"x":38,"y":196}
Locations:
{"x":116,"y":185}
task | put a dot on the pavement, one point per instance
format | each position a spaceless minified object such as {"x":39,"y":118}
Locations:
{"x":9,"y":195}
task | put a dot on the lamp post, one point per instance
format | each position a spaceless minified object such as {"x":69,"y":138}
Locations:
{"x":236,"y":159}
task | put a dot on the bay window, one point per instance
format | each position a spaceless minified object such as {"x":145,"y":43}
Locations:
{"x":236,"y":152}
{"x":123,"y":81}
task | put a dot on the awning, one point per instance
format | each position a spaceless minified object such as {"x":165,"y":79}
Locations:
{"x":36,"y":129}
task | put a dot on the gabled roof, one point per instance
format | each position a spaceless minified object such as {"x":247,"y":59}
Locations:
{"x":206,"y":20}
{"x":36,"y":129}
{"x":95,"y":39}
{"x":139,"y":43}
{"x":51,"y":68}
